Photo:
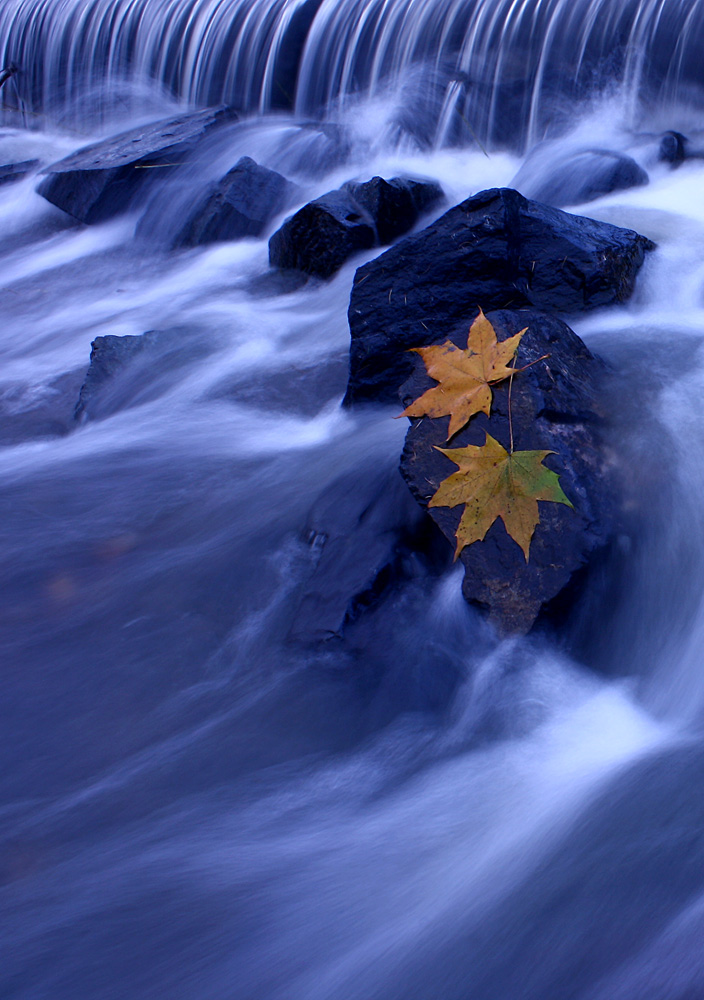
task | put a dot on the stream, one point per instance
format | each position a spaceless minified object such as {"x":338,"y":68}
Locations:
{"x":194,"y":807}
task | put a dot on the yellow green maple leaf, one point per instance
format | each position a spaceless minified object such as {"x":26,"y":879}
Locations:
{"x":493,"y":483}
{"x":464,"y":375}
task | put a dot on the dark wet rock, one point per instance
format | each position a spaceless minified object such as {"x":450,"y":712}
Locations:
{"x":577,"y":177}
{"x":34,"y":412}
{"x":240,"y":205}
{"x":673,"y":148}
{"x":554,"y":406}
{"x":101,"y":180}
{"x":131,"y":370}
{"x":297,"y":388}
{"x":320,"y":237}
{"x":326,"y":232}
{"x":375,"y":509}
{"x":494,"y":250}
{"x":270,"y":283}
{"x":395,"y":205}
{"x":10,"y":172}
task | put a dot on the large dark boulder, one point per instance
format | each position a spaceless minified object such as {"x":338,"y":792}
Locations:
{"x":326,"y":232}
{"x":240,"y":205}
{"x":99,"y":181}
{"x":494,"y":250}
{"x":577,"y":176}
{"x":554,"y":406}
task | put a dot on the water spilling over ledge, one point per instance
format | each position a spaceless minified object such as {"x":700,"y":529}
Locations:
{"x":496,"y":69}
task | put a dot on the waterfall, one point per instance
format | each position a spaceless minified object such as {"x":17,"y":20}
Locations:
{"x":518,"y":63}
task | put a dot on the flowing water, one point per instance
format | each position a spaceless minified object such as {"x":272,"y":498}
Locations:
{"x":194,"y":806}
{"x":498,"y":69}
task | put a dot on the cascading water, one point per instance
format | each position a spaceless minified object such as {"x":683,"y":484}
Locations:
{"x":520,"y":66}
{"x":193,"y":806}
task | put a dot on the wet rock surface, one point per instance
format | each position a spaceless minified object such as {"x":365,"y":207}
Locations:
{"x":37,"y":412}
{"x":326,"y":232}
{"x":395,"y":205}
{"x":375,"y":508}
{"x":127,"y":371}
{"x":240,"y":205}
{"x":100,"y":181}
{"x":322,"y":235}
{"x":579,"y":176}
{"x":10,"y":172}
{"x":673,"y":148}
{"x":554,"y":406}
{"x":495,"y":250}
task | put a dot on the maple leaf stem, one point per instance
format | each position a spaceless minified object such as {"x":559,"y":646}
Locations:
{"x":510,"y":418}
{"x":531,"y":363}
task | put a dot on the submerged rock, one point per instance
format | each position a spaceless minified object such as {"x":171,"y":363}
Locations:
{"x":131,"y":370}
{"x":326,"y":232}
{"x":577,"y":177}
{"x":673,"y":148}
{"x":494,"y":250}
{"x":240,"y":205}
{"x":100,"y":181}
{"x":10,"y":172}
{"x":375,"y":509}
{"x":554,"y":407}
{"x":30,"y":412}
{"x":314,"y":148}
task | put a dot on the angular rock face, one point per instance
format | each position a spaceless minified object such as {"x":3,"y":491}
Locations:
{"x":320,"y":237}
{"x":99,"y":181}
{"x":131,"y":370}
{"x":494,"y":250}
{"x":395,"y":205}
{"x":243,"y":202}
{"x":553,"y":406}
{"x":326,"y":232}
{"x":579,"y":177}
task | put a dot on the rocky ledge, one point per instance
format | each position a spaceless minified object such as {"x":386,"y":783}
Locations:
{"x":100,"y":181}
{"x":529,"y":265}
{"x":496,"y":250}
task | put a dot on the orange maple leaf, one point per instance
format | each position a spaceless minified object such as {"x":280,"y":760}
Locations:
{"x":464,"y":376}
